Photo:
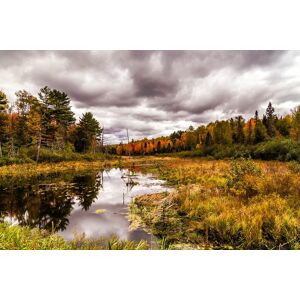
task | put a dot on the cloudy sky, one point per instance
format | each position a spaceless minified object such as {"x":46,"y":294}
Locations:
{"x":153,"y":93}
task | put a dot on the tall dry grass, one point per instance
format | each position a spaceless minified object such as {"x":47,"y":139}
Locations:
{"x":238,"y":204}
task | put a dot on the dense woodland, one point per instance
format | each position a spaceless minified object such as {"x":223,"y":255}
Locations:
{"x":269,"y":137}
{"x":34,"y":127}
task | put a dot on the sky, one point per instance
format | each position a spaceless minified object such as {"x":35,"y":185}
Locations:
{"x":153,"y":93}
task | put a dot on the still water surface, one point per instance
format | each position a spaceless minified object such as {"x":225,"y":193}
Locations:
{"x":94,"y":203}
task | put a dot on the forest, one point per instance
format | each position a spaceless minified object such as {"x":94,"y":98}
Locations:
{"x":269,"y":137}
{"x":44,"y":128}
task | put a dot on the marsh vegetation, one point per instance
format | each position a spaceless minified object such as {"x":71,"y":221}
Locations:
{"x":238,"y":204}
{"x":214,"y":204}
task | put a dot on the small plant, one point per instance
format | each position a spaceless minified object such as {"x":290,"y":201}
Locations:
{"x":241,"y":167}
{"x":240,"y":178}
{"x":294,"y":167}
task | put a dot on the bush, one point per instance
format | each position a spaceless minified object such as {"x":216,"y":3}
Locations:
{"x":241,"y":167}
{"x":11,"y":161}
{"x":241,"y":177}
{"x":278,"y":149}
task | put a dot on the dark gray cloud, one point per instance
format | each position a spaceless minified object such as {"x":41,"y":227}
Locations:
{"x":156,"y":92}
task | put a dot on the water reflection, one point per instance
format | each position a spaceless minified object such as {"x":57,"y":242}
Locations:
{"x":47,"y":205}
{"x":71,"y":203}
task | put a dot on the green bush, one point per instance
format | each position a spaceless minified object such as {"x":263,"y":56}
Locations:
{"x":278,"y":150}
{"x":239,"y":178}
{"x":11,"y":161}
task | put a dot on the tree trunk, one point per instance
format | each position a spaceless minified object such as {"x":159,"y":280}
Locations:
{"x":128,"y":142}
{"x":39,"y":147}
{"x":12,"y":148}
{"x":0,"y":150}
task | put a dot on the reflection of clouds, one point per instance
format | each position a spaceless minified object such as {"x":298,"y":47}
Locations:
{"x":95,"y":225}
{"x":114,"y":220}
{"x":114,"y":187}
{"x":11,"y":220}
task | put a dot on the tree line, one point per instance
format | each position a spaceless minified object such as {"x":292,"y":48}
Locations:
{"x":234,"y":133}
{"x":45,"y":121}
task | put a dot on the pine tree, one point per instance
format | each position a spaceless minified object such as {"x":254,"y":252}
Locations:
{"x":259,"y":130}
{"x":57,"y":116}
{"x":295,"y":130}
{"x":88,"y":133}
{"x":270,"y":120}
{"x":283,"y":125}
{"x":250,"y":131}
{"x":3,"y":121}
{"x":24,"y":104}
{"x":208,"y":139}
{"x":240,"y":136}
{"x":12,"y":133}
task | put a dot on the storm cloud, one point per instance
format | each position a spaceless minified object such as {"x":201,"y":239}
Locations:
{"x":153,"y":93}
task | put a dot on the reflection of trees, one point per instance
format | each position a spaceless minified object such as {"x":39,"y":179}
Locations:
{"x":86,"y":188}
{"x":56,"y":207}
{"x":47,"y":205}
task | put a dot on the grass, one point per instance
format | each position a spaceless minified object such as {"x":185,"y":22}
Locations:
{"x":47,"y":169}
{"x":239,"y":204}
{"x":24,"y":238}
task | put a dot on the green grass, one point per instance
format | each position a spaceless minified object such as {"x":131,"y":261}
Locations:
{"x":23,"y":238}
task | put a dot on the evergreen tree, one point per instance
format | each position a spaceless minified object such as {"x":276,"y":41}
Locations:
{"x":270,"y":120}
{"x":295,"y":130}
{"x":283,"y":126}
{"x":88,"y":133}
{"x":56,"y":117}
{"x":260,"y":132}
{"x":24,"y":104}
{"x":12,"y":132}
{"x":208,"y":139}
{"x":250,"y":131}
{"x":240,"y":136}
{"x":3,"y":121}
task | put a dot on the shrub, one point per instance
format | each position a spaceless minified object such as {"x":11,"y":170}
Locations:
{"x":278,"y":149}
{"x":17,"y":160}
{"x":241,"y":177}
{"x":294,"y":167}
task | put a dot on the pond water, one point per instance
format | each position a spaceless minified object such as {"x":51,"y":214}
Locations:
{"x":93,"y":203}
